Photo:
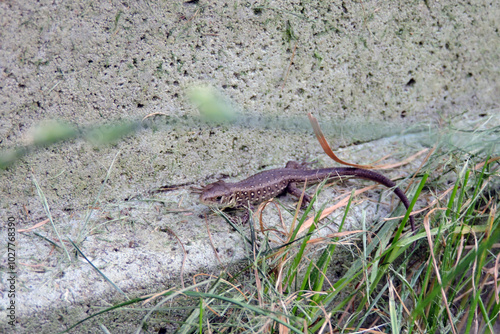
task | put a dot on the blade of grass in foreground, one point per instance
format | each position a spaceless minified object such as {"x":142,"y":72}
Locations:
{"x":116,"y":287}
{"x":49,"y":215}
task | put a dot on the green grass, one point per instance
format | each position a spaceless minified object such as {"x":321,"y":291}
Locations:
{"x":446,"y":283}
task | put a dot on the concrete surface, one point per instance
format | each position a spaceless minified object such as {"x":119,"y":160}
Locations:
{"x":367,"y":70}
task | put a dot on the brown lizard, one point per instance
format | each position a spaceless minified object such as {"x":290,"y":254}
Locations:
{"x":268,"y":184}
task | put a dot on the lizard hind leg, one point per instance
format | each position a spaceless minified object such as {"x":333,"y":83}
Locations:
{"x":292,"y":189}
{"x":292,"y":186}
{"x":298,"y":165}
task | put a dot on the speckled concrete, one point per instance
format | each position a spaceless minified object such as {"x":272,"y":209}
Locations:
{"x":367,"y":70}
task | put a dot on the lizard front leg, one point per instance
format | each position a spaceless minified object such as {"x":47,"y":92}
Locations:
{"x":246,"y":215}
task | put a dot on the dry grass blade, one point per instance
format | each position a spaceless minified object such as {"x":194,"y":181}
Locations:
{"x":422,"y":164}
{"x":326,"y":147}
{"x":155,"y":295}
{"x":343,"y":202}
{"x":496,"y":281}
{"x":289,"y":66}
{"x":260,"y":211}
{"x":435,"y":264}
{"x":171,"y":232}
{"x":153,"y":114}
{"x":333,"y":235}
{"x":212,"y":243}
{"x":405,"y":161}
{"x":295,"y":216}
{"x":37,"y":225}
{"x":481,"y":164}
{"x":434,"y":202}
{"x":328,"y":150}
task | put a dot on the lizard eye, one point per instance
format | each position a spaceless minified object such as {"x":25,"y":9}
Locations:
{"x":218,"y":198}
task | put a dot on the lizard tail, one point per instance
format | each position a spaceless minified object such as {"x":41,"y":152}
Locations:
{"x":379,"y":178}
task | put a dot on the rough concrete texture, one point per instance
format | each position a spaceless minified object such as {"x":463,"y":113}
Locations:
{"x":366,"y":69}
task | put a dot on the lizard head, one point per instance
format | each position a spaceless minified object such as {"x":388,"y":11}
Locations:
{"x":217,"y":194}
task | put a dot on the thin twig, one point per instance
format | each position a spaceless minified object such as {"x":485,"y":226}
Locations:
{"x":289,"y":66}
{"x":183,"y":258}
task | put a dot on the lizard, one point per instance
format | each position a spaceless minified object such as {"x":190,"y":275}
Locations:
{"x":271,"y":183}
